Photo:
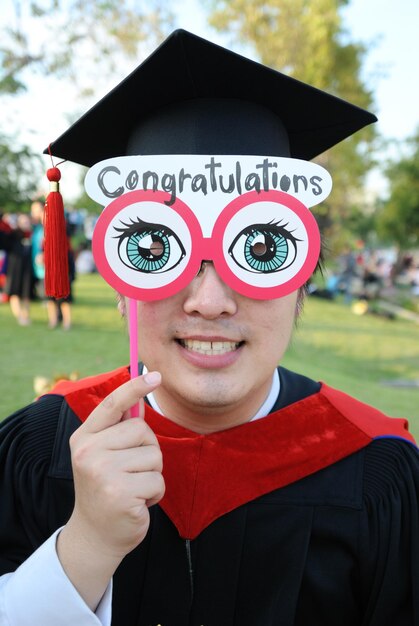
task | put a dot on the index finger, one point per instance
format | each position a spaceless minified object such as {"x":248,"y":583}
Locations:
{"x":112,"y":408}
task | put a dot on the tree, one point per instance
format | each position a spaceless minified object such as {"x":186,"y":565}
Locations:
{"x":20,"y":170}
{"x":75,"y":38}
{"x":398,"y":219}
{"x":306,"y":39}
{"x":76,"y":41}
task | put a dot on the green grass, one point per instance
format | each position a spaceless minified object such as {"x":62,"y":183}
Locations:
{"x":97,"y":342}
{"x":365,"y":356}
{"x":360,"y":355}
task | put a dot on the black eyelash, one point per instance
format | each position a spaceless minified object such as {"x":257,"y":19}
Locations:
{"x":135,"y":227}
{"x":282,"y":228}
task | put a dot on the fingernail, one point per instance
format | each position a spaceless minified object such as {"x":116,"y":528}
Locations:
{"x":152,"y":378}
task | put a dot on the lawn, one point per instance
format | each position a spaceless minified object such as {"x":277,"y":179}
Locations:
{"x":97,"y":342}
{"x":367,"y":356}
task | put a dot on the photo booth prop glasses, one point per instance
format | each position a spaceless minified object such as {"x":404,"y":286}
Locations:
{"x":166,"y":214}
{"x":263,"y":245}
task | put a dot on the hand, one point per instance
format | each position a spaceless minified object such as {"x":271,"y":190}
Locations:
{"x":117,"y":466}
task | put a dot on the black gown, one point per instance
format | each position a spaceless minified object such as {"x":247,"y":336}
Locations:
{"x":339,"y":547}
{"x":20,"y":278}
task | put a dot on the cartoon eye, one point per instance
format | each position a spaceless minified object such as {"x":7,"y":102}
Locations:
{"x":264,"y":248}
{"x":149,"y":248}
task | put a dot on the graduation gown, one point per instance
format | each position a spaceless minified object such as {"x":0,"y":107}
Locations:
{"x":308,"y":517}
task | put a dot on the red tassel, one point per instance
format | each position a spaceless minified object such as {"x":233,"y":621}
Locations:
{"x":57,"y":283}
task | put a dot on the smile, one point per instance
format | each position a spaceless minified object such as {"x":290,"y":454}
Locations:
{"x":209,"y":348}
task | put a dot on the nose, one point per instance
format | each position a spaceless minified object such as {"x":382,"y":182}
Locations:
{"x":209,"y":296}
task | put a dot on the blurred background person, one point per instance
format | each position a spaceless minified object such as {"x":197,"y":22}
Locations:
{"x":59,"y":311}
{"x":37,"y":251}
{"x":20,"y":279}
{"x":5,"y":238}
{"x":85,"y":263}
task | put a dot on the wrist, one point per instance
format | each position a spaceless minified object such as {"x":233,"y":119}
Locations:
{"x":88,"y":563}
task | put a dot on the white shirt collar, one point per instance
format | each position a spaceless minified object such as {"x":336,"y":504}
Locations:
{"x":272,"y":397}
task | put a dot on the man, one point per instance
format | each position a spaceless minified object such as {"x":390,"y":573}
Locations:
{"x":249,"y":495}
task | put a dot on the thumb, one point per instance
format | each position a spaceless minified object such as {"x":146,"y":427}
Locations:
{"x":112,"y":408}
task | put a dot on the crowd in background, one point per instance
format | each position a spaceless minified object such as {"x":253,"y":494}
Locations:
{"x":22,"y":271}
{"x":365,"y":275}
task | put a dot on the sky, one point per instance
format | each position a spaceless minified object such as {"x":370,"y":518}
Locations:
{"x":390,"y":67}
{"x":395,"y":27}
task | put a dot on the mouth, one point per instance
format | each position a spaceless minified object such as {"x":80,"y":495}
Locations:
{"x":210,"y":348}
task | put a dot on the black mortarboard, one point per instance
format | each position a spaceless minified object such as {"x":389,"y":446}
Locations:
{"x":192,"y":96}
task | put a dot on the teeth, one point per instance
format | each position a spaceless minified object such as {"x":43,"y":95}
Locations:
{"x":209,"y":347}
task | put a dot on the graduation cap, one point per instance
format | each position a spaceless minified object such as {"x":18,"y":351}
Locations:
{"x":192,"y":96}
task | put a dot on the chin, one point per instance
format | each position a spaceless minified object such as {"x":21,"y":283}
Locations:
{"x":212,"y":395}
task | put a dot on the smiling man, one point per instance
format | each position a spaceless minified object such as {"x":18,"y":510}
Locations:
{"x":242,"y":494}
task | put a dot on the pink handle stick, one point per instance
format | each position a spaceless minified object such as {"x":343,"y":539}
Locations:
{"x":133,"y":345}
